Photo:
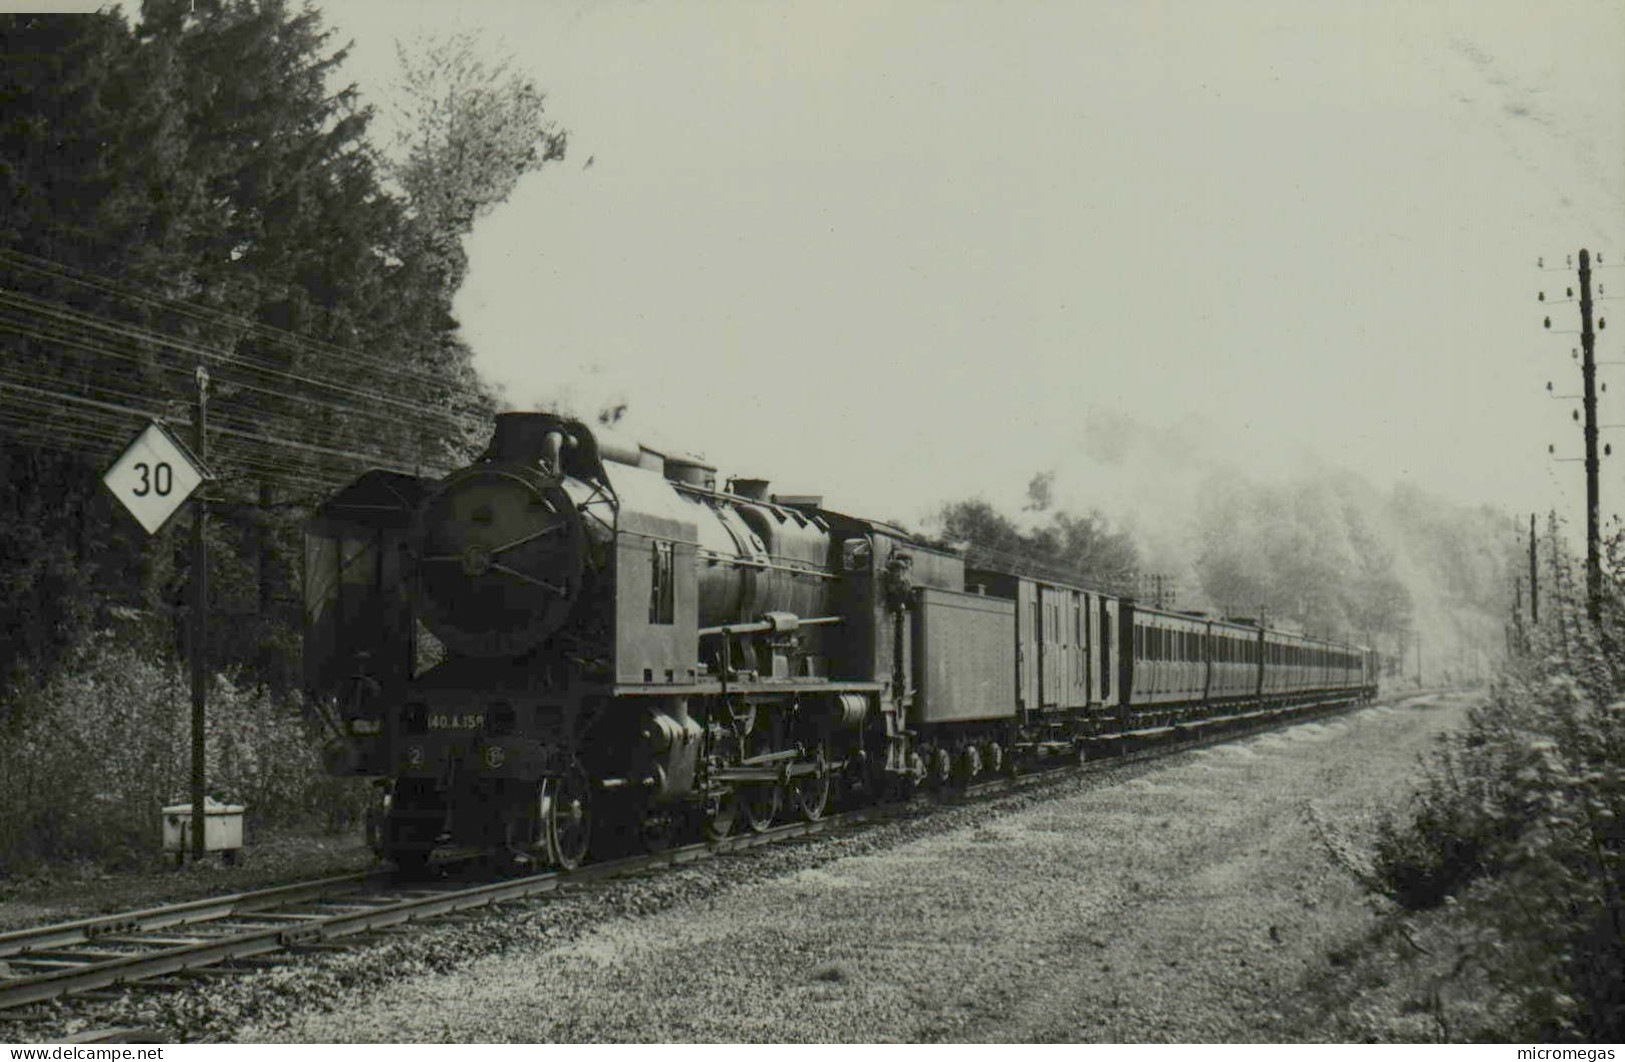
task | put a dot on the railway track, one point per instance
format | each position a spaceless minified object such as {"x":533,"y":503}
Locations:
{"x":175,"y":945}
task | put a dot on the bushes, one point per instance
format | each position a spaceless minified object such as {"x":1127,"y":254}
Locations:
{"x":88,"y":758}
{"x":1520,"y":818}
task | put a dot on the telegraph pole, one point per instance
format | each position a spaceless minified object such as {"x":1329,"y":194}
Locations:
{"x":1516,"y":636}
{"x":1534,"y":577}
{"x":1588,"y":366}
{"x":1559,"y":591}
{"x":200,"y":616}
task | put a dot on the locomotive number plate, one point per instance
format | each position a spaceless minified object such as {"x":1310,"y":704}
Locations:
{"x":456,"y":720}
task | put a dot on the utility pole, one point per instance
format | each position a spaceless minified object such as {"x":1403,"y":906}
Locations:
{"x":1515,"y":632}
{"x":1534,"y":577}
{"x":200,"y":615}
{"x":1588,"y":367}
{"x":1559,"y":591}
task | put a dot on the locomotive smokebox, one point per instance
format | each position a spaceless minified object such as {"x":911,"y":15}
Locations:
{"x":500,"y":547}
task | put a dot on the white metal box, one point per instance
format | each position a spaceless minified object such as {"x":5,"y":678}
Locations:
{"x":222,"y":827}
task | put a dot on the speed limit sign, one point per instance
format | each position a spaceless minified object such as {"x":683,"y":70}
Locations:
{"x":154,"y":476}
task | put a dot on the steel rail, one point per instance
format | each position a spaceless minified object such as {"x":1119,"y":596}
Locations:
{"x":312,"y":929}
{"x":18,"y":943}
{"x":111,"y":971}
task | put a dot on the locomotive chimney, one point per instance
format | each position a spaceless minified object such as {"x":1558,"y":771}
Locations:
{"x":524,"y":437}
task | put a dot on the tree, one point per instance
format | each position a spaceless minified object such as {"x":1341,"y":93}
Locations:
{"x":1068,"y":547}
{"x":470,"y":129}
{"x":89,"y":134}
{"x":207,"y":153}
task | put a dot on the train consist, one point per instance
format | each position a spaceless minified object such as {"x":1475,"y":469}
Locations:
{"x":576,"y":645}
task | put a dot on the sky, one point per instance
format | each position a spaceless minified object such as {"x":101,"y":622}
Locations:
{"x":903,"y":253}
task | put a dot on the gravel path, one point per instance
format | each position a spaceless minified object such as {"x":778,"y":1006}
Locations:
{"x":1173,"y":902}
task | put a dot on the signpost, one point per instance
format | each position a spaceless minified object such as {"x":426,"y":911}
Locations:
{"x":153,"y":478}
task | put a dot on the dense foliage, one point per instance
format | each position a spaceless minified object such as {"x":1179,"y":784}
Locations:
{"x":1330,"y":554}
{"x":193,"y":183}
{"x":1063,"y":545}
{"x":200,"y":173}
{"x":1520,"y":819}
{"x":102,"y":745}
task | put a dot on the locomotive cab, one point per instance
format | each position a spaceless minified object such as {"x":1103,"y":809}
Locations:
{"x":360,"y":645}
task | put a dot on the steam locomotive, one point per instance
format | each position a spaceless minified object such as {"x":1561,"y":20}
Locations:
{"x":578,"y":645}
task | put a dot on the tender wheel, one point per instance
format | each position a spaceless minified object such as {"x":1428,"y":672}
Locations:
{"x":810,"y":793}
{"x":942,"y":767}
{"x":916,"y":769}
{"x":993,"y":757}
{"x":565,"y":807}
{"x":967,"y":765}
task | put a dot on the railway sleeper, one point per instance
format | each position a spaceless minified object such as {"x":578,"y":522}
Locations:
{"x":269,"y":961}
{"x":324,"y":947}
{"x":304,"y":935}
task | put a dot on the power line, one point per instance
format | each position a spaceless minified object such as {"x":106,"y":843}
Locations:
{"x":95,"y":325}
{"x":204,"y":314}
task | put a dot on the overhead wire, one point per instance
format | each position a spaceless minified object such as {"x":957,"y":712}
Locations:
{"x":257,"y":423}
{"x":110,"y":286}
{"x":45,"y":408}
{"x":347,"y":409}
{"x":201,"y":352}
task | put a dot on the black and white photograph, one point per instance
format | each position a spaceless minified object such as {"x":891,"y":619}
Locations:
{"x":726,"y":522}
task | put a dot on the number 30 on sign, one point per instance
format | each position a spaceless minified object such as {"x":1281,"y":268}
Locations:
{"x":153,"y":477}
